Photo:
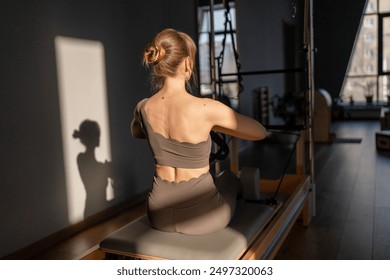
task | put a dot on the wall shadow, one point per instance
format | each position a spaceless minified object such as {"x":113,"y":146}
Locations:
{"x":96,"y":176}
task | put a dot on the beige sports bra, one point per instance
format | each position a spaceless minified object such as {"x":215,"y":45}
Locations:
{"x":170,"y":152}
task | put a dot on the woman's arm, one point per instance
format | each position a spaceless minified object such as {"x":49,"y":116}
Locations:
{"x":226,"y":120}
{"x":136,"y":125}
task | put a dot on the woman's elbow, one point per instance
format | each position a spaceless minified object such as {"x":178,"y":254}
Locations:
{"x":136,"y":130}
{"x":256,"y":131}
{"x":262,"y":132}
{"x":258,"y":135}
{"x":138,"y":134}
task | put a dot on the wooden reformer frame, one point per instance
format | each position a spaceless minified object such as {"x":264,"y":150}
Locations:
{"x":297,"y":203}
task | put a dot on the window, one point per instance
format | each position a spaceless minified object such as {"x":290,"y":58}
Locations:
{"x":229,"y":89}
{"x":369,"y":22}
{"x":369,"y":37}
{"x":369,"y":53}
{"x":369,"y":68}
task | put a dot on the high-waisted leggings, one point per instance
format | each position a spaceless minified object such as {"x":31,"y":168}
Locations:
{"x":198,"y":206}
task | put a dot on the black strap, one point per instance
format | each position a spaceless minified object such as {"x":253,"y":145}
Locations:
{"x":223,"y":150}
{"x":272,"y":200}
{"x":228,"y":25}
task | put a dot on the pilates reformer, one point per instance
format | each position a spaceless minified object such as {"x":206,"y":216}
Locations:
{"x":258,"y":228}
{"x":256,"y":231}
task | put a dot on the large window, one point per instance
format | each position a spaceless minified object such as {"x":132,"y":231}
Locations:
{"x":369,"y":69}
{"x":229,"y":89}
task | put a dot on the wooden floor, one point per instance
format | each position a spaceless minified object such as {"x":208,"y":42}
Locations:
{"x":353,"y":203}
{"x":353,"y":200}
{"x":85,"y":245}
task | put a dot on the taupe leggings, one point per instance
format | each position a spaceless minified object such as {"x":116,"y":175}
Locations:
{"x":198,"y":206}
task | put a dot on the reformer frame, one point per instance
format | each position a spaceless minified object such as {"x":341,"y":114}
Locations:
{"x":294,"y":202}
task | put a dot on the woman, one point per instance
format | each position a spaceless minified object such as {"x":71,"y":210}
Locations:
{"x":184,"y":197}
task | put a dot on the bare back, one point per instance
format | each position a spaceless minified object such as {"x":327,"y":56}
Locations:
{"x":181,"y":117}
{"x":177,"y":115}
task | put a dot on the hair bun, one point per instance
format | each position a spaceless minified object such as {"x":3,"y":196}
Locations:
{"x":76,"y":134}
{"x":153,"y":54}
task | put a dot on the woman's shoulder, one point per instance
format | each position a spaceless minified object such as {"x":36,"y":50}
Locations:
{"x":140,"y":104}
{"x":208,"y":109}
{"x":203,"y":101}
{"x":211,"y":105}
{"x":142,"y":101}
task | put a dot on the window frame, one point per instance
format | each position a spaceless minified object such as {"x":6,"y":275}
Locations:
{"x":372,"y":9}
{"x":381,"y":17}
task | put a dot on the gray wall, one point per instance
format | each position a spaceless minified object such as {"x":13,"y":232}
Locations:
{"x":269,"y":38}
{"x":32,"y":180}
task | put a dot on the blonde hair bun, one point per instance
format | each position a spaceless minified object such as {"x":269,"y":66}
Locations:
{"x":153,"y":54}
{"x":164,"y":55}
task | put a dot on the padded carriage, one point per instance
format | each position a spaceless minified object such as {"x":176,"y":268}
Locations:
{"x":255,"y":232}
{"x":139,"y":240}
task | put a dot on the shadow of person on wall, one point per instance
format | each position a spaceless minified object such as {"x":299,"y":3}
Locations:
{"x":94,"y":175}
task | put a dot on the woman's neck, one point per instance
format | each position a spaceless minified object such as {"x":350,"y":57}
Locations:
{"x":173,"y":85}
{"x":90,"y":151}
